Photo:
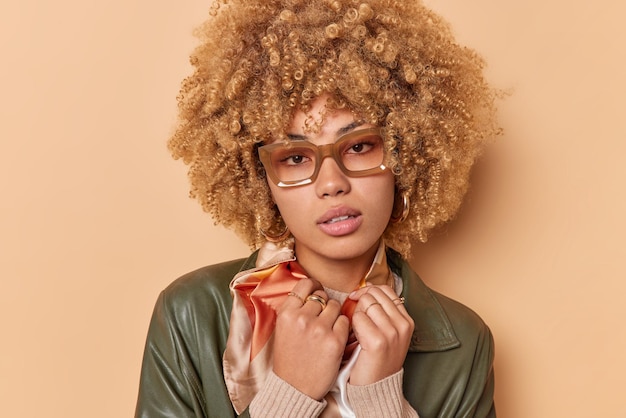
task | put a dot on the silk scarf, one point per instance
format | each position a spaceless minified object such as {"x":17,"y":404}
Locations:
{"x":257,"y":294}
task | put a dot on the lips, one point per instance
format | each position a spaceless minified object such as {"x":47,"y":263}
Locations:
{"x":338,"y":214}
{"x":340,"y":221}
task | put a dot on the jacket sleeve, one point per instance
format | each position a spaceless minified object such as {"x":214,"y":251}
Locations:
{"x":168,"y":385}
{"x":182,"y":375}
{"x":457,"y":382}
{"x":478,"y":399}
{"x":471,"y":384}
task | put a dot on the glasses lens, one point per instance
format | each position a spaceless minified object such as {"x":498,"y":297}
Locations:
{"x":361,"y":152}
{"x":292,"y":163}
{"x":358,"y":153}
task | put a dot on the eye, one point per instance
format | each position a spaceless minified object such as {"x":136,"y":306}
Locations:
{"x":294,"y":159}
{"x":360,"y":147}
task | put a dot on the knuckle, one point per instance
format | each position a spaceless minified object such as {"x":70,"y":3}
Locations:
{"x":404,"y":323}
{"x":302,"y":322}
{"x":285,"y":316}
{"x":336,"y":346}
{"x":394,"y":336}
{"x":411,"y":324}
{"x":318,"y":332}
{"x":377,"y":340}
{"x":405,"y":328}
{"x":379,"y":344}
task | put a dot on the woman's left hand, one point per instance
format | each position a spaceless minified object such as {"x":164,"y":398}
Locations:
{"x":383,"y":328}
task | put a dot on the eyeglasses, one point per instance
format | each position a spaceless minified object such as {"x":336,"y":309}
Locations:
{"x":296,"y":163}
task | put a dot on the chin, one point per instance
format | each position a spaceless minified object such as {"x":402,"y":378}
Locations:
{"x":349,"y":249}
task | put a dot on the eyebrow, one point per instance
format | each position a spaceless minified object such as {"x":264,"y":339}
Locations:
{"x":341,"y":131}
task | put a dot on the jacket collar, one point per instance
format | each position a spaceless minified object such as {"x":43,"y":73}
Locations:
{"x":433,"y":330}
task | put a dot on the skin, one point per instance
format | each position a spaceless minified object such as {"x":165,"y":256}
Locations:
{"x":337,"y":262}
{"x":310,"y":341}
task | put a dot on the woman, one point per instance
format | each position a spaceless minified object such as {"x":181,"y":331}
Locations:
{"x":329,"y":135}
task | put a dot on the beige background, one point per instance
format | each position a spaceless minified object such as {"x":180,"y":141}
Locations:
{"x":94,"y":218}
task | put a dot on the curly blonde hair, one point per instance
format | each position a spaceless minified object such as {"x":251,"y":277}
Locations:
{"x":393,"y":63}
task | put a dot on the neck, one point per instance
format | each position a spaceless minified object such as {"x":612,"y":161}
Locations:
{"x":343,"y":275}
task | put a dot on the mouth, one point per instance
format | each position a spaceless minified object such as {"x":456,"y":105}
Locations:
{"x":336,"y":215}
{"x":338,"y":219}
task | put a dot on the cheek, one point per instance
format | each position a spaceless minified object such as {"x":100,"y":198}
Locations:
{"x":273,"y":190}
{"x":285,"y":199}
{"x":385,"y":191}
{"x":388,"y":199}
{"x":281,"y":196}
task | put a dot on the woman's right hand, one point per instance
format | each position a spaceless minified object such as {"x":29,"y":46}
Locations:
{"x":309,"y":340}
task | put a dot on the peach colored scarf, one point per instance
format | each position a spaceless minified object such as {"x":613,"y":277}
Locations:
{"x":257,"y":294}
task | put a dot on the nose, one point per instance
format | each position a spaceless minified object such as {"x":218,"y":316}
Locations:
{"x":331,"y":181}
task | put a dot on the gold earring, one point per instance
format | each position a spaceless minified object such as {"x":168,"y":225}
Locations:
{"x":405,"y":210}
{"x":276,"y":238}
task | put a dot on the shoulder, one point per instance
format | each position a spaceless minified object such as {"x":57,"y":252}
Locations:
{"x":441,"y":323}
{"x":468,"y":326}
{"x":205,"y":278}
{"x":186,"y":339}
{"x":470,"y":365}
{"x":449,"y":366}
{"x":194,"y":310}
{"x":205,"y":289}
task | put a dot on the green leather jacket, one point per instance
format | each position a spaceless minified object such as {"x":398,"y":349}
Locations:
{"x":448,"y":371}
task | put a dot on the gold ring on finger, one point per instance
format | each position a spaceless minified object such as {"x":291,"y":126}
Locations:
{"x":296,"y":295}
{"x":317,"y":299}
{"x":368,"y":308}
{"x":398,"y":301}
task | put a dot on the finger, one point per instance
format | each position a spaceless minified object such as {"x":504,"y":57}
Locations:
{"x":382,"y":313}
{"x":330,"y":314}
{"x":372,"y":305}
{"x":373,"y":308}
{"x":371,"y":299}
{"x":391,"y":303}
{"x":385,"y":290}
{"x":375,"y":328}
{"x":297,"y":296}
{"x":331,"y":318}
{"x":356,"y":295}
{"x":316,"y":302}
{"x":363,"y":325}
{"x":341,"y":328}
{"x":392,"y":320}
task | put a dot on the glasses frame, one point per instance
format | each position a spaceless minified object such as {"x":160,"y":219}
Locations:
{"x":321,"y":152}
